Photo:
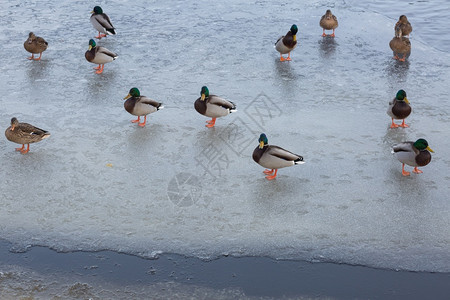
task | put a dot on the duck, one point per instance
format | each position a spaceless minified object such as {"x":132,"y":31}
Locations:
{"x":139,"y":106}
{"x":399,"y":109}
{"x":328,"y":22}
{"x":286,"y":43}
{"x":101,"y":23}
{"x":24,"y":133}
{"x":99,"y":55}
{"x":273,"y":157}
{"x":404,"y":25}
{"x":400,"y":45}
{"x":35,"y":44}
{"x":415,"y":154}
{"x":213,"y":106}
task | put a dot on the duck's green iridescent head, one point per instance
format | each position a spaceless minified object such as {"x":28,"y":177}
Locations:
{"x":294,"y":29}
{"x":401,"y":96}
{"x":422,"y":144}
{"x":204,"y":93}
{"x":92,"y":44}
{"x":262,"y":140}
{"x":134,"y":92}
{"x":97,"y":10}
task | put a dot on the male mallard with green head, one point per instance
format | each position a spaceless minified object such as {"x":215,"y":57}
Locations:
{"x":274,"y":157}
{"x":287,"y":43}
{"x":404,"y":25}
{"x":24,"y":133}
{"x":414,"y":154}
{"x":140,"y":106}
{"x":399,"y":109}
{"x":99,"y":55}
{"x":34,"y":45}
{"x":101,"y":23}
{"x":213,"y":106}
{"x":328,"y":22}
{"x":401,"y":46}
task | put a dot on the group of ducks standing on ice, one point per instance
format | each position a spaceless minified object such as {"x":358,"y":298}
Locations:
{"x":271,"y":157}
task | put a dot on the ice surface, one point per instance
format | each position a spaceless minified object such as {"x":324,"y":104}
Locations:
{"x":101,"y":182}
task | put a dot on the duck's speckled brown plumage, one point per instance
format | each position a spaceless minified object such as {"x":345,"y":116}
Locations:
{"x":35,"y":44}
{"x":24,"y":133}
{"x":404,"y":25}
{"x":328,"y":21}
{"x":400,"y":45}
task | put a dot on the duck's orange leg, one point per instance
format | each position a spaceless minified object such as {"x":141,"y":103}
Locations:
{"x":100,"y":70}
{"x":100,"y":35}
{"x":289,"y":56}
{"x":136,"y":121}
{"x":98,"y":67}
{"x":143,"y":124}
{"x":393,"y":125}
{"x":272,"y":176}
{"x":211,"y":123}
{"x":39,"y":58}
{"x":417,"y":171}
{"x":268,"y":172}
{"x":324,"y":34}
{"x":332,"y":35}
{"x":282,"y":58}
{"x":20,"y":149}
{"x":403,"y":124}
{"x":404,"y":173}
{"x":31,"y":57}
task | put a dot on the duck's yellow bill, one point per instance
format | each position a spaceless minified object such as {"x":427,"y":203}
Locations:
{"x":406,"y":100}
{"x":128,"y":96}
{"x":203,"y":97}
{"x":90,"y":47}
{"x":261,"y":144}
{"x":429,"y":149}
{"x":295,"y":37}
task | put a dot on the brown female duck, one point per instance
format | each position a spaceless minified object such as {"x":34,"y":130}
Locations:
{"x":34,"y":45}
{"x":24,"y":133}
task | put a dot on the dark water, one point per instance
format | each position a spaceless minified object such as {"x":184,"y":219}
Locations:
{"x":99,"y":182}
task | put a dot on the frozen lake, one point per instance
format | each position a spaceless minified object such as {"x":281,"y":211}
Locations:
{"x":101,"y":182}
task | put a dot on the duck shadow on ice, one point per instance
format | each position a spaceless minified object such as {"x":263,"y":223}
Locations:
{"x":397,"y":70}
{"x":327,"y":46}
{"x":37,"y":70}
{"x":285,"y":70}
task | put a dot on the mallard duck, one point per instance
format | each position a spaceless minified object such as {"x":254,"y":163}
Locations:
{"x":34,"y":45}
{"x":99,"y":55}
{"x":139,"y":105}
{"x":24,"y":133}
{"x":404,"y":25}
{"x":213,"y":106}
{"x":414,"y":154}
{"x":328,"y":22}
{"x":400,"y":45}
{"x":274,"y":157}
{"x":286,"y":43}
{"x":399,"y":109}
{"x":101,"y":23}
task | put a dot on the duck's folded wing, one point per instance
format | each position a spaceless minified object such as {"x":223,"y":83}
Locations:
{"x":213,"y":99}
{"x":283,"y":154}
{"x":403,"y":147}
{"x":30,"y":129}
{"x":105,"y":51}
{"x":150,"y":101}
{"x":104,"y":21}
